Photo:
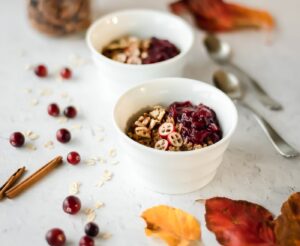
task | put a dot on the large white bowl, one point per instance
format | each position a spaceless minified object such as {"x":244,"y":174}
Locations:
{"x":145,"y":24}
{"x":174,"y":172}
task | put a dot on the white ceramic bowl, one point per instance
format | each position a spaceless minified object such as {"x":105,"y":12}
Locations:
{"x":144,"y":24}
{"x":174,"y":172}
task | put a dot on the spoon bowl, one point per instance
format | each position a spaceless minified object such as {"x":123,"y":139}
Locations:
{"x":219,"y":51}
{"x":229,"y":84}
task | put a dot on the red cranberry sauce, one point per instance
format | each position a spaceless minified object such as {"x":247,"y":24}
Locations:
{"x":160,"y":50}
{"x":200,"y":124}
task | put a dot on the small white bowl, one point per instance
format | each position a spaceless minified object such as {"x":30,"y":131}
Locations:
{"x":173,"y":172}
{"x":145,"y":24}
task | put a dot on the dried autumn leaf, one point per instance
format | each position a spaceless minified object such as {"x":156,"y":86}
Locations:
{"x":239,"y":223}
{"x":217,"y":15}
{"x":173,"y":225}
{"x":287,"y":225}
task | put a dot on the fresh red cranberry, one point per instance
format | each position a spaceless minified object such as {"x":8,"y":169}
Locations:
{"x":63,"y":135}
{"x":70,"y":112}
{"x":86,"y":241}
{"x":91,"y":229}
{"x":71,"y":205}
{"x":56,"y":237}
{"x":41,"y":71}
{"x":17,"y":139}
{"x":73,"y":158}
{"x":66,"y":73}
{"x":53,"y":109}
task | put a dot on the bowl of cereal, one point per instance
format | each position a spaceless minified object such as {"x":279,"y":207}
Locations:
{"x":174,"y":132}
{"x":131,"y":46}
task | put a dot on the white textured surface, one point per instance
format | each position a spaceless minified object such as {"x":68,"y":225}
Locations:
{"x":251,"y":169}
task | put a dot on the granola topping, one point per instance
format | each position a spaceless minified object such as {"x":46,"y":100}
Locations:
{"x":180,"y":127}
{"x":134,"y":50}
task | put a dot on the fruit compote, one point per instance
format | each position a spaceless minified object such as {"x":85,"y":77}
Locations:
{"x":200,"y":124}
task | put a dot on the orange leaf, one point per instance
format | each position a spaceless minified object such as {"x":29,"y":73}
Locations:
{"x":287,"y":225}
{"x":172,"y":225}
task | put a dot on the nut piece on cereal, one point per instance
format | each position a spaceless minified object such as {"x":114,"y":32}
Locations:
{"x":158,"y":113}
{"x":153,"y":123}
{"x":120,"y":57}
{"x":134,"y":60}
{"x":143,"y":131}
{"x":142,"y":121}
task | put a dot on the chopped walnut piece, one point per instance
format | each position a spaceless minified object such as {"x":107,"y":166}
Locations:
{"x":158,"y":113}
{"x":197,"y":146}
{"x":153,"y":123}
{"x":143,"y":131}
{"x":154,"y":113}
{"x":161,"y":114}
{"x":142,"y":121}
{"x":146,"y":44}
{"x":146,"y":121}
{"x":134,"y":60}
{"x":144,"y":55}
{"x":120,"y":57}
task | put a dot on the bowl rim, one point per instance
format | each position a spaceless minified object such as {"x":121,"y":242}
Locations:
{"x":172,"y":153}
{"x":141,"y":66}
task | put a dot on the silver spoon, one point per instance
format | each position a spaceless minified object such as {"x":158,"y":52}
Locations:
{"x":229,"y":84}
{"x":220,"y":52}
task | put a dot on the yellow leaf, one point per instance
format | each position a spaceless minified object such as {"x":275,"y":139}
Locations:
{"x":174,"y":226}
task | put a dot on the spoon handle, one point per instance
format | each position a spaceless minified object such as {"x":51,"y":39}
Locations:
{"x":277,"y":141}
{"x":262,"y":94}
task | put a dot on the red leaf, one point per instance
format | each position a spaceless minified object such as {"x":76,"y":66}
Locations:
{"x":239,"y":223}
{"x":217,"y":15}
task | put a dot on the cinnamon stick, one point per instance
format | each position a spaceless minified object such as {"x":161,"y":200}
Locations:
{"x":11,"y":181}
{"x":35,"y":177}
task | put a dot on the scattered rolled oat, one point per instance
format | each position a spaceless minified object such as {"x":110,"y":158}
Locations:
{"x":105,"y":235}
{"x":112,"y":153}
{"x":99,"y":204}
{"x":74,"y":188}
{"x":90,"y":214}
{"x":114,"y":162}
{"x":30,"y":146}
{"x":77,"y":61}
{"x":34,"y":102}
{"x":90,"y":162}
{"x":101,"y":160}
{"x":31,"y":135}
{"x":28,"y":67}
{"x":76,"y":127}
{"x":62,"y":119}
{"x":28,"y":90}
{"x":49,"y":145}
{"x":107,"y":176}
{"x":46,"y":92}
